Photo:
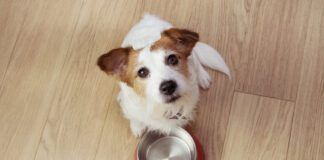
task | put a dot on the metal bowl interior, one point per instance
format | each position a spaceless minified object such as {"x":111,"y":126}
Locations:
{"x":177,"y":145}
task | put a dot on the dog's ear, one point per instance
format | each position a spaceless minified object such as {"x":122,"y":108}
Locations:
{"x":114,"y":62}
{"x":184,"y":39}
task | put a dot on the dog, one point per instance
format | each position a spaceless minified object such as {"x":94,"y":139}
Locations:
{"x":160,"y":69}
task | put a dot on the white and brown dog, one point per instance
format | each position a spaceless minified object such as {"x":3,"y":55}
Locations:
{"x":160,"y":71}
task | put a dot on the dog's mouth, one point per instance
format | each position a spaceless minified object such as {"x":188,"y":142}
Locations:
{"x":172,"y":98}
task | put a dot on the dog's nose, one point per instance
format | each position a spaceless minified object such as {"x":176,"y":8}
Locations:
{"x":168,"y":87}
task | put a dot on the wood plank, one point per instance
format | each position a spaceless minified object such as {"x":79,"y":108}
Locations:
{"x":213,"y":114}
{"x":273,"y":37}
{"x":12,"y":17}
{"x":307,"y":138}
{"x":219,"y":30}
{"x":259,"y":128}
{"x":117,"y":141}
{"x":79,"y":110}
{"x":27,"y":89}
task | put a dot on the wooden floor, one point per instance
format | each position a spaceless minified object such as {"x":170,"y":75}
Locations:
{"x":55,"y":104}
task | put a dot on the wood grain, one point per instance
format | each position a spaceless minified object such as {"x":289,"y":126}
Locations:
{"x":27,"y":88}
{"x":307,"y":138}
{"x":259,"y":128}
{"x":12,"y":17}
{"x":56,"y":104}
{"x":273,"y":37}
{"x":220,"y":30}
{"x":117,"y":141}
{"x":80,"y":105}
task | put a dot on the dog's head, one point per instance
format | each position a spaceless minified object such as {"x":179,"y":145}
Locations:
{"x":160,"y":71}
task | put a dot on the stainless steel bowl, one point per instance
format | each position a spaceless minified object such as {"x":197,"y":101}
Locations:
{"x":178,"y":145}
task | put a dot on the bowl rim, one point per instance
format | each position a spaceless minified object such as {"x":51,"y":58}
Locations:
{"x":140,"y":143}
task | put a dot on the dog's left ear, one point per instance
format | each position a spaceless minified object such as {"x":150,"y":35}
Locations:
{"x":114,"y":62}
{"x":184,"y":39}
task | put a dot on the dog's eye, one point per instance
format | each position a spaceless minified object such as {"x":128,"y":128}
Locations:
{"x":172,"y":60}
{"x":143,"y":72}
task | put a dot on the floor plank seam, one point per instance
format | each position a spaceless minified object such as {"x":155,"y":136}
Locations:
{"x":291,"y":128}
{"x":227,"y":125}
{"x":282,"y":99}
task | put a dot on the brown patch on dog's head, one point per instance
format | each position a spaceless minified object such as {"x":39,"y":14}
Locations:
{"x":179,"y":40}
{"x":121,"y":63}
{"x":132,"y":78}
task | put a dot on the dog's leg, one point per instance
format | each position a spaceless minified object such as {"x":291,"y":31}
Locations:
{"x":204,"y":79}
{"x":137,"y":128}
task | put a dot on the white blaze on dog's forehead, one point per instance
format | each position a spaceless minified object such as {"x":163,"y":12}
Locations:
{"x":144,"y":53}
{"x":150,"y":58}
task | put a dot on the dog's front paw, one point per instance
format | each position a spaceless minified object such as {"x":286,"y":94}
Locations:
{"x":204,"y":79}
{"x":137,"y":128}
